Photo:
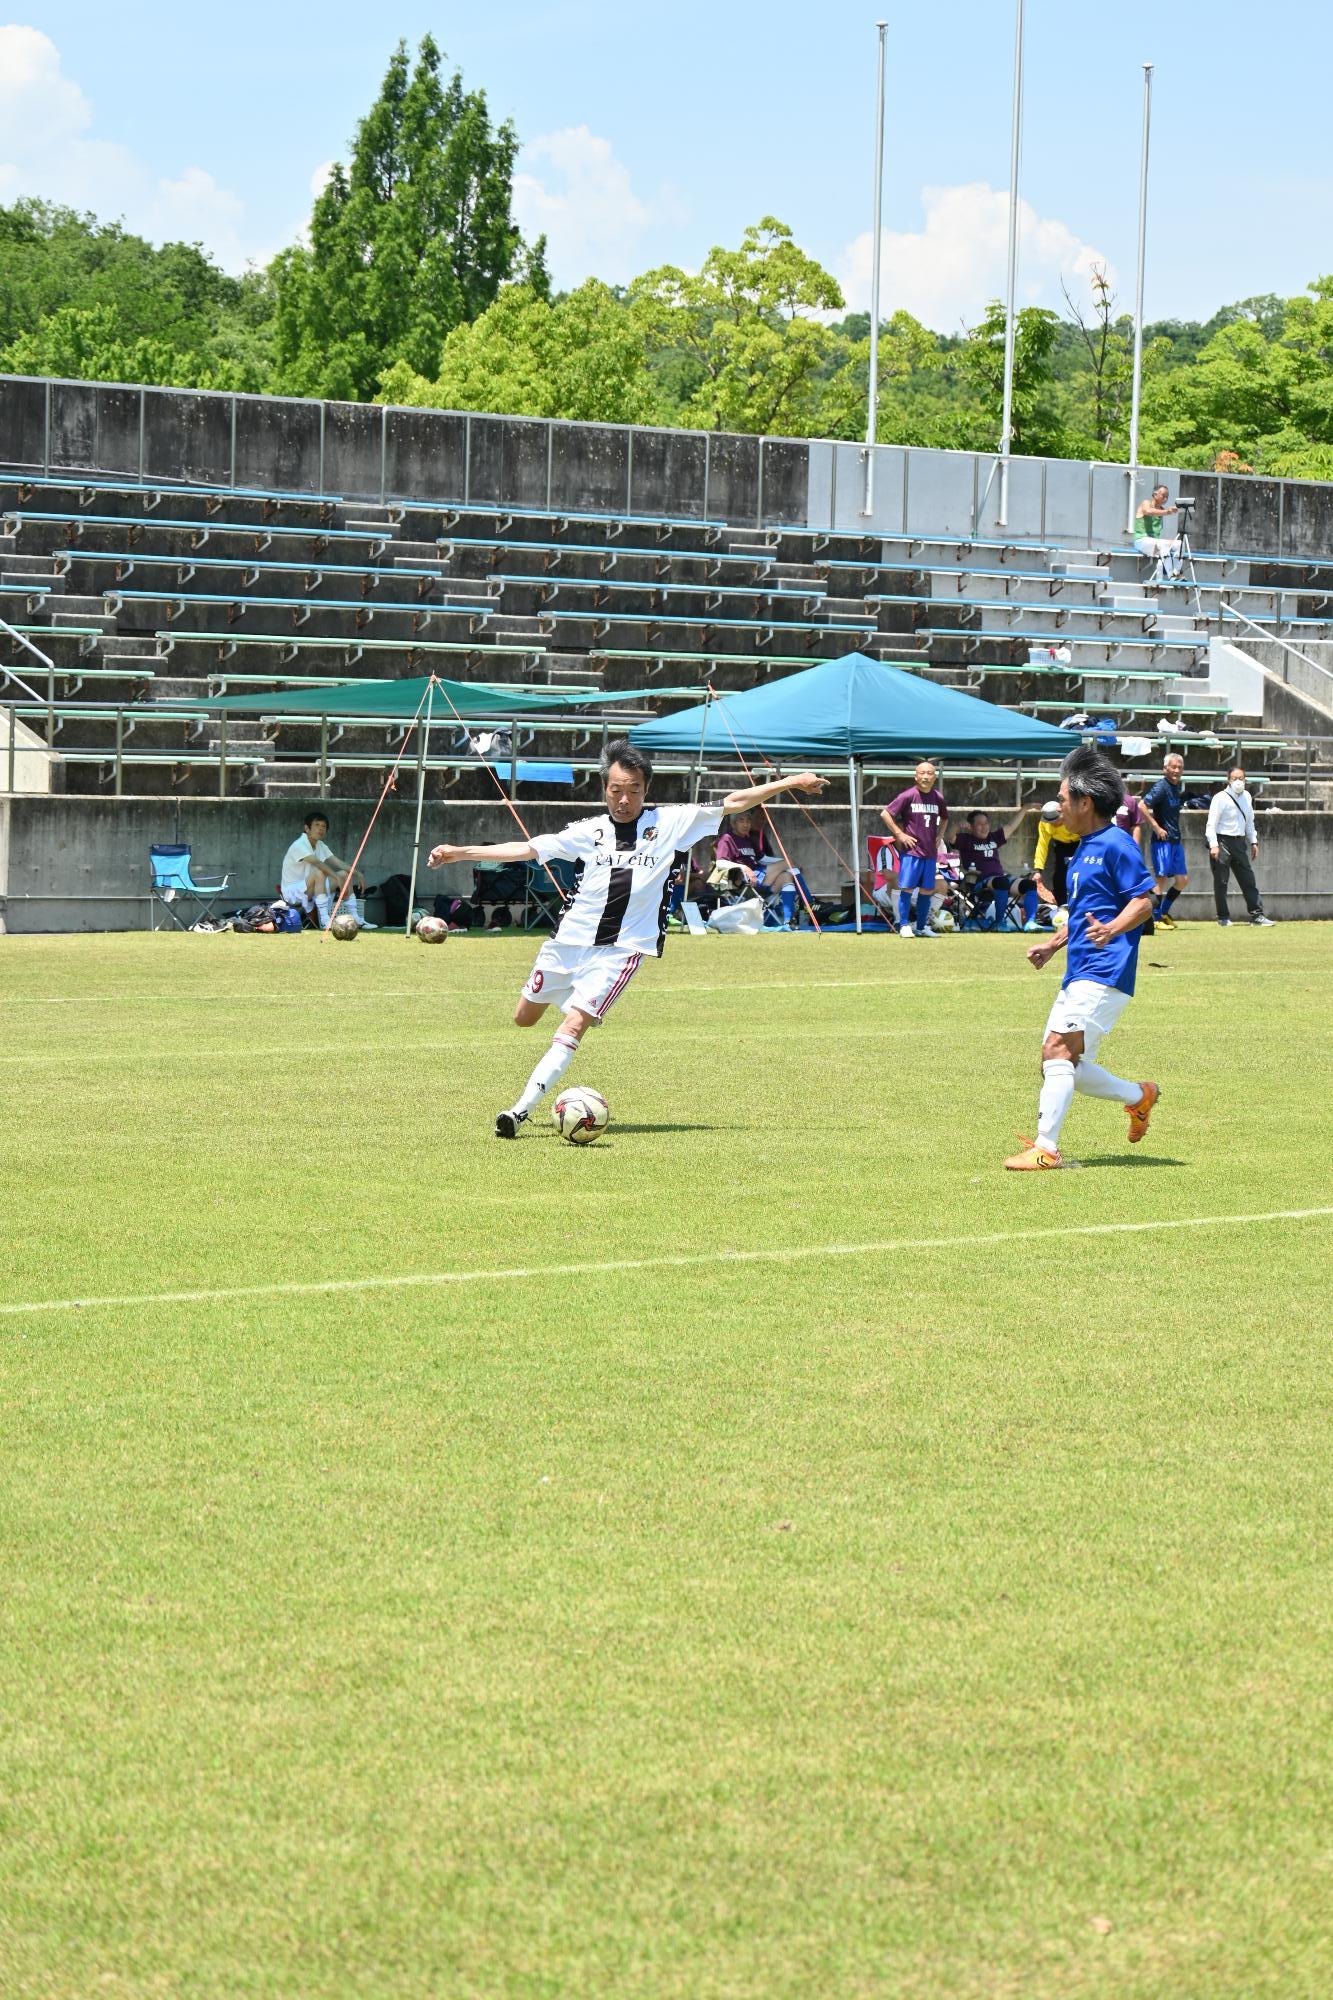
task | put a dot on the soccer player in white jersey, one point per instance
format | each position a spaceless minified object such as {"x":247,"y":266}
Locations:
{"x":617,"y":916}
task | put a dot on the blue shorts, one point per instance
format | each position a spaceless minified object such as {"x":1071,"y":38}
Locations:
{"x":916,"y":871}
{"x":1168,"y":858}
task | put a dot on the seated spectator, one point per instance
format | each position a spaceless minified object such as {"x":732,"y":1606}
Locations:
{"x":984,"y":873}
{"x":882,"y":851}
{"x":312,"y":875}
{"x":743,"y":850}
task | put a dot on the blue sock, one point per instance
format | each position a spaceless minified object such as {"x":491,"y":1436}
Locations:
{"x":677,"y":897}
{"x":788,"y":899}
{"x":923,"y":909}
{"x":1167,"y":900}
{"x":1001,"y":904}
{"x":1030,"y":900}
{"x":904,"y":908}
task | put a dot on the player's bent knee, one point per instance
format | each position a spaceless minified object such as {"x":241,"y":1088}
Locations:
{"x":528,"y":1013}
{"x":576,"y":1023}
{"x":1067,"y":1047}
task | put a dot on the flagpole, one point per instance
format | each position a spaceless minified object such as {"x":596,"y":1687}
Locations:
{"x":872,"y":403}
{"x":1138,"y":300}
{"x":1015,"y":137}
{"x":421,"y":800}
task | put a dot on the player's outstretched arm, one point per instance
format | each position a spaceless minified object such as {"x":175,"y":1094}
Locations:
{"x":500,"y":850}
{"x":754,"y":795}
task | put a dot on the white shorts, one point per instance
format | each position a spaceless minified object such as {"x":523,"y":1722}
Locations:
{"x":1089,"y":1009}
{"x":299,"y":894}
{"x":591,"y":977}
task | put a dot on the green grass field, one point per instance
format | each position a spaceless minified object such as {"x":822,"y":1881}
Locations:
{"x":936,"y":1606}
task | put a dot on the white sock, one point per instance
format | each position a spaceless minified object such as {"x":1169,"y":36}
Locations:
{"x":548,"y":1071}
{"x":1094,"y":1081}
{"x":1057,"y":1094}
{"x":349,"y":904}
{"x":324,"y":905}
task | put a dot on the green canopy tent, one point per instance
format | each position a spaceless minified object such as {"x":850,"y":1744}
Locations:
{"x":405,"y":701}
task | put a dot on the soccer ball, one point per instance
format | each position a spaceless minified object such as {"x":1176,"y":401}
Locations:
{"x":579,"y":1115}
{"x":344,"y":927}
{"x":1050,"y":812}
{"x":432,"y":930}
{"x":944,"y":920}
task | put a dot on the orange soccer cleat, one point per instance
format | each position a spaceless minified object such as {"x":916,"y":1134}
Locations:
{"x":1141,"y":1113}
{"x":1033,"y":1160}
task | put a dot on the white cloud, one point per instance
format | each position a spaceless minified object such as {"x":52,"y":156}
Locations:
{"x":571,"y":188}
{"x":947,"y":271}
{"x":321,"y":177}
{"x":46,"y":149}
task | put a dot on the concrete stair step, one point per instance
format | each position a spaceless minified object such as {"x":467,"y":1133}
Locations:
{"x":416,"y":552}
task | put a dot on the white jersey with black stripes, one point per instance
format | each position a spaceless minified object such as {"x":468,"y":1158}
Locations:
{"x":621,"y":894}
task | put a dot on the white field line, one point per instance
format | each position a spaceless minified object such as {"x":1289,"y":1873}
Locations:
{"x":515,"y":1273}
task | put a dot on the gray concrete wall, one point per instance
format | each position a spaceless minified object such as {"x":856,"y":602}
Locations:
{"x":364,"y":452}
{"x":76,"y":864}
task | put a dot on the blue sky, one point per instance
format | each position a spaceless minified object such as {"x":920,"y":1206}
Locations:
{"x":650,"y":133}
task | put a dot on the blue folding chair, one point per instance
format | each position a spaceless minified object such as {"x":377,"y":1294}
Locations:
{"x":545,"y":888}
{"x":171,"y":886}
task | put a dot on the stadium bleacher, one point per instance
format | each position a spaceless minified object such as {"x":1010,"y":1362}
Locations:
{"x":139,"y":597}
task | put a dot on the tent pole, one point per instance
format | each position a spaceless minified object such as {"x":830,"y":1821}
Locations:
{"x":854,"y":794}
{"x":421,"y":800}
{"x":699,"y":766}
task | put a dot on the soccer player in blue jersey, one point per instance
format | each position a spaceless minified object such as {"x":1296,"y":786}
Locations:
{"x":1163,"y":802}
{"x":1110,"y":899}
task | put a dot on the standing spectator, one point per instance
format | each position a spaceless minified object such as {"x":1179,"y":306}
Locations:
{"x":1163,"y":802}
{"x":979,"y":847}
{"x":1233,"y":844}
{"x":918,"y":819}
{"x":743,"y":847}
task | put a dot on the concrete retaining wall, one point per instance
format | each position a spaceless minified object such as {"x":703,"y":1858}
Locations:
{"x":80,"y":864}
{"x":368,"y":452}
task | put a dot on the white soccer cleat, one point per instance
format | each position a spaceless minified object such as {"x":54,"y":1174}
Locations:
{"x":905,"y":930}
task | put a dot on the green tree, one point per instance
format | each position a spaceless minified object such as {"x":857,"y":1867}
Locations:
{"x":56,"y":265}
{"x":414,"y":238}
{"x":738,"y":346}
{"x":908,"y":351}
{"x":580,"y":358}
{"x":981,"y":362}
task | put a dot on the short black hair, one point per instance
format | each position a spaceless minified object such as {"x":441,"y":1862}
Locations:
{"x":315,"y":812}
{"x":977,"y":812}
{"x":622,"y":752}
{"x":1089,"y":775}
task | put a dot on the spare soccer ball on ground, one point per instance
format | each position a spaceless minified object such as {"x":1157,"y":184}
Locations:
{"x":944,"y":921}
{"x":344,"y":927}
{"x":580,"y":1114}
{"x":432,"y":930}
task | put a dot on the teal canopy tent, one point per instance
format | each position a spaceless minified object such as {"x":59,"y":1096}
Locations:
{"x":855,"y":709}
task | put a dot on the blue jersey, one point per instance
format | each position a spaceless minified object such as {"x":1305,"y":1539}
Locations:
{"x":1106,"y":872}
{"x":1164,"y":801}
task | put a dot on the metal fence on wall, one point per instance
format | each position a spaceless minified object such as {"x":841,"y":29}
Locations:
{"x":374,"y":453}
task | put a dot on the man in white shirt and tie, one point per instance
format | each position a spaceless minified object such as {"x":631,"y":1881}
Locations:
{"x":1233,"y":843}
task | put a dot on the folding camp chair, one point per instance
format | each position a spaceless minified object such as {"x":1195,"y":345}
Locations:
{"x":172,"y":888}
{"x":542,"y":901}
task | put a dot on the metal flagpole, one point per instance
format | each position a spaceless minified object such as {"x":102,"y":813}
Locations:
{"x":421,"y":799}
{"x":1138,"y":301}
{"x":1015,"y":137}
{"x":872,"y":404}
{"x":853,"y":789}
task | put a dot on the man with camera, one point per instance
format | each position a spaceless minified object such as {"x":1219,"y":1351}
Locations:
{"x":1149,"y":539}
